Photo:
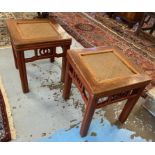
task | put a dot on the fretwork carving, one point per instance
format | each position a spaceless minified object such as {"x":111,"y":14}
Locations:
{"x":117,"y":97}
{"x":42,"y":53}
{"x":78,"y":83}
{"x":45,"y":51}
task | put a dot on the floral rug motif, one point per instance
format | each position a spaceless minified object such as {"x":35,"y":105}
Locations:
{"x":102,"y":35}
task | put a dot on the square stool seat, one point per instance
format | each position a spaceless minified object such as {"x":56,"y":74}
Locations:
{"x":26,"y":33}
{"x":103,"y":76}
{"x":40,"y":35}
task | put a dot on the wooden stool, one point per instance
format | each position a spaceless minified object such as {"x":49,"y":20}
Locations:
{"x":42,"y":36}
{"x":103,"y":76}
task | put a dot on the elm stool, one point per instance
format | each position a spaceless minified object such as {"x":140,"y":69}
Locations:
{"x":103,"y":76}
{"x":40,"y":35}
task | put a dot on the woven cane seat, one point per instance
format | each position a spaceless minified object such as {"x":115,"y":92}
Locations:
{"x":105,"y":65}
{"x":36,"y":30}
{"x":105,"y":68}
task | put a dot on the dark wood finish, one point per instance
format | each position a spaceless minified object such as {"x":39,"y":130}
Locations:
{"x":144,"y":20}
{"x":43,"y":14}
{"x":54,"y":51}
{"x":40,"y":35}
{"x":68,"y":82}
{"x":131,"y":17}
{"x":103,"y":76}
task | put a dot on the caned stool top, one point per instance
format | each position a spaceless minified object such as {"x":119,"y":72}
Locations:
{"x":35,"y":31}
{"x":104,"y":69}
{"x":105,"y":65}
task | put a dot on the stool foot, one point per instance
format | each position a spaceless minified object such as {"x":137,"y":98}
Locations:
{"x":127,"y":109}
{"x":129,"y":106}
{"x":88,"y":116}
{"x":52,"y":59}
{"x":25,"y":91}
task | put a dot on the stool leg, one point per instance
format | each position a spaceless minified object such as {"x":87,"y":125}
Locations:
{"x":63,"y":69}
{"x":67,"y":83}
{"x":140,"y":25}
{"x":53,"y":51}
{"x":129,"y":106}
{"x":22,"y":71}
{"x":14,"y":55}
{"x":88,"y":116}
{"x":152,"y":28}
{"x":65,"y":48}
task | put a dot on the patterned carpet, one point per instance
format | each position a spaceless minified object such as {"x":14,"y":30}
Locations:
{"x":144,"y":41}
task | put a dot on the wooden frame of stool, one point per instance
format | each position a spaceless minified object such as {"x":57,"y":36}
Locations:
{"x":99,"y":93}
{"x":40,"y":35}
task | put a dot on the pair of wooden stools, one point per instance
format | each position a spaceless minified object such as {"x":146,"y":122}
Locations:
{"x":103,"y":75}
